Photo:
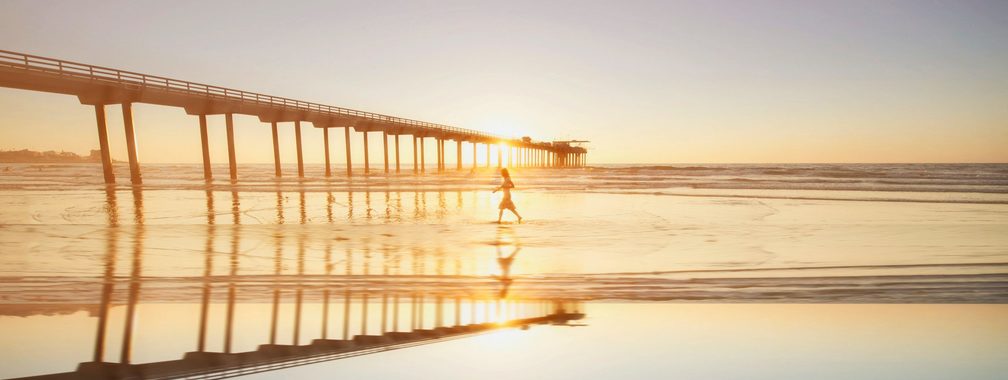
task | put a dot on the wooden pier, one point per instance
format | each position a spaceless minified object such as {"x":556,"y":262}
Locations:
{"x":101,"y":86}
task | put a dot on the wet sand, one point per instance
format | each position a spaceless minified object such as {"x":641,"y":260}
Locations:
{"x":574,"y":238}
{"x":718,"y":342}
{"x":639,"y":340}
{"x":683,"y":262}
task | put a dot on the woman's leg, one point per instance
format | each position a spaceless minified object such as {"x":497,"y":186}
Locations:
{"x":499,"y":215}
{"x":515,"y":211}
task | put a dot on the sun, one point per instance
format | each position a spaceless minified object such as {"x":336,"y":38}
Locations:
{"x":503,"y":127}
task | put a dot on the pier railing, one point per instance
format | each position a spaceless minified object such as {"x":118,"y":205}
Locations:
{"x":140,"y":80}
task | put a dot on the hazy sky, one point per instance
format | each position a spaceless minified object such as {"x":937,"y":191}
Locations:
{"x":669,"y":81}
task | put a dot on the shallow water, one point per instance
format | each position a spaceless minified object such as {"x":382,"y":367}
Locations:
{"x":593,"y":239}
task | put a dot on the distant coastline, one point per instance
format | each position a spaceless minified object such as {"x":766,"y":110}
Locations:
{"x":51,"y":156}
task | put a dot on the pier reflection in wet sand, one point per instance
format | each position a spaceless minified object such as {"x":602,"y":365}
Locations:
{"x":196,"y":281}
{"x":388,"y":294}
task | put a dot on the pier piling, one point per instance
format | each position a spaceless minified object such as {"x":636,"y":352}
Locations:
{"x":276,"y":150}
{"x":325,"y":145}
{"x":367,"y":161}
{"x":103,"y":144}
{"x":349,"y":163}
{"x":385,"y":150}
{"x":131,"y":147}
{"x":297,"y":144}
{"x":232,"y":163}
{"x":207,"y":171}
{"x":397,"y":153}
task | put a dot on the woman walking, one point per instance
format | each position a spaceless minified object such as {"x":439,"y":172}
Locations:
{"x":506,"y":203}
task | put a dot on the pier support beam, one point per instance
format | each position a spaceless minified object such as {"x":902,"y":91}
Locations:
{"x":384,"y":143}
{"x":131,"y":148}
{"x":103,"y":144}
{"x":440,"y":154}
{"x":458,"y":154}
{"x":474,"y":155}
{"x":367,"y":161}
{"x":397,"y":153}
{"x":297,"y":143}
{"x":277,"y":171}
{"x":488,"y":155}
{"x":500,"y":159}
{"x":325,"y":144}
{"x":349,"y":163}
{"x":207,"y":172}
{"x":232,"y":163}
{"x":416,"y":166}
{"x":423,"y":162}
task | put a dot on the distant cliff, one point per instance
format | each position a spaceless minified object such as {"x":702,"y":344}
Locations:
{"x":51,"y":156}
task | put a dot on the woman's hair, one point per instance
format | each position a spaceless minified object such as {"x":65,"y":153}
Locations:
{"x":504,"y":172}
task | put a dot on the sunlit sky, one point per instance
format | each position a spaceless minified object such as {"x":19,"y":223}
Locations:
{"x":661,"y":82}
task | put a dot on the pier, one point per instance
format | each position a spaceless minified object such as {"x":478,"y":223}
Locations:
{"x":99,"y":87}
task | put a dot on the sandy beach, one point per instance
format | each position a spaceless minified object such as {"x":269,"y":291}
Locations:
{"x":169,"y":243}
